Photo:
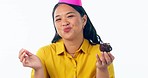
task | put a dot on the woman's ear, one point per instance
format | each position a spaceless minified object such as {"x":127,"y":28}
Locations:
{"x":84,"y":20}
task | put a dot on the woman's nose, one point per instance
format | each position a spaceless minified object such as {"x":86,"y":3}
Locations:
{"x":65,"y":22}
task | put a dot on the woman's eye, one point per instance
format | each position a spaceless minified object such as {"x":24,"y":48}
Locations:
{"x":70,"y":16}
{"x":58,"y":19}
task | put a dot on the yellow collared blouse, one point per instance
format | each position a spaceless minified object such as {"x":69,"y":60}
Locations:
{"x":58,"y":63}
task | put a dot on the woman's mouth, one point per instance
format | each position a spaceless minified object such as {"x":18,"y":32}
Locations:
{"x":67,"y":29}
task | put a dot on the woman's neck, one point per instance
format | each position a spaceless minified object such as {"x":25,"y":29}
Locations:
{"x":73,"y":45}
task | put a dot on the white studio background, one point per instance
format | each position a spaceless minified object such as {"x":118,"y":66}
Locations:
{"x":28,"y":24}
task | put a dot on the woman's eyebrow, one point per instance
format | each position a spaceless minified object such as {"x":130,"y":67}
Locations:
{"x":57,"y":16}
{"x":70,"y":13}
{"x":66,"y":14}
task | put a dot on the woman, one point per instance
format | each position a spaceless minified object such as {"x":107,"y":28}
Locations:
{"x":74,"y":52}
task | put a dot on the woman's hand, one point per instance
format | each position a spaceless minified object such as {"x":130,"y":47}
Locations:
{"x":104,"y":60}
{"x":29,"y":60}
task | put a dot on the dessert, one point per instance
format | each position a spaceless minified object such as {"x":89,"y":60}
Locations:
{"x":105,"y":47}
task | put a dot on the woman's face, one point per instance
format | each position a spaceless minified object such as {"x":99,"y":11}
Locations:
{"x":68,"y":22}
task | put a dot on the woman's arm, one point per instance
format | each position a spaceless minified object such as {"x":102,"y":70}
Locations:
{"x":39,"y":73}
{"x":103,"y":61}
{"x":102,"y":73}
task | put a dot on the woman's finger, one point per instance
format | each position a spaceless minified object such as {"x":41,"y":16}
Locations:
{"x":98,"y":59}
{"x":107,"y":58}
{"x":102,"y":58}
{"x":28,"y":53}
{"x":21,"y":52}
{"x":24,"y":62}
{"x":22,"y":56}
{"x":111,"y":56}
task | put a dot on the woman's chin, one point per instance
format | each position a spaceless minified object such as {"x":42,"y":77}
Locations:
{"x":68,"y":38}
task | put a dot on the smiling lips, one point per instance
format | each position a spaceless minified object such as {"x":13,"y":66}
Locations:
{"x":67,"y":29}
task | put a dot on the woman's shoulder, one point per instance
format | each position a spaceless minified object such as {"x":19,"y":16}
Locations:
{"x":46,"y":50}
{"x":51,"y":47}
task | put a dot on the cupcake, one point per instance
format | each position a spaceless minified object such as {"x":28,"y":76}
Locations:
{"x":105,"y":47}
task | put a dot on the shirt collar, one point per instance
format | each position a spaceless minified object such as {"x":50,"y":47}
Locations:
{"x":84,"y":46}
{"x":61,"y":49}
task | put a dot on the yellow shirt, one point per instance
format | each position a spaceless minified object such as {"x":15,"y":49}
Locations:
{"x":58,"y":63}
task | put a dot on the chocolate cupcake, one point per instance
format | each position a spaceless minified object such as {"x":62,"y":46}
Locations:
{"x":105,"y":47}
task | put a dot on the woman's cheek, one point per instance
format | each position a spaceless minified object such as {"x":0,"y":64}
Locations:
{"x":59,"y":32}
